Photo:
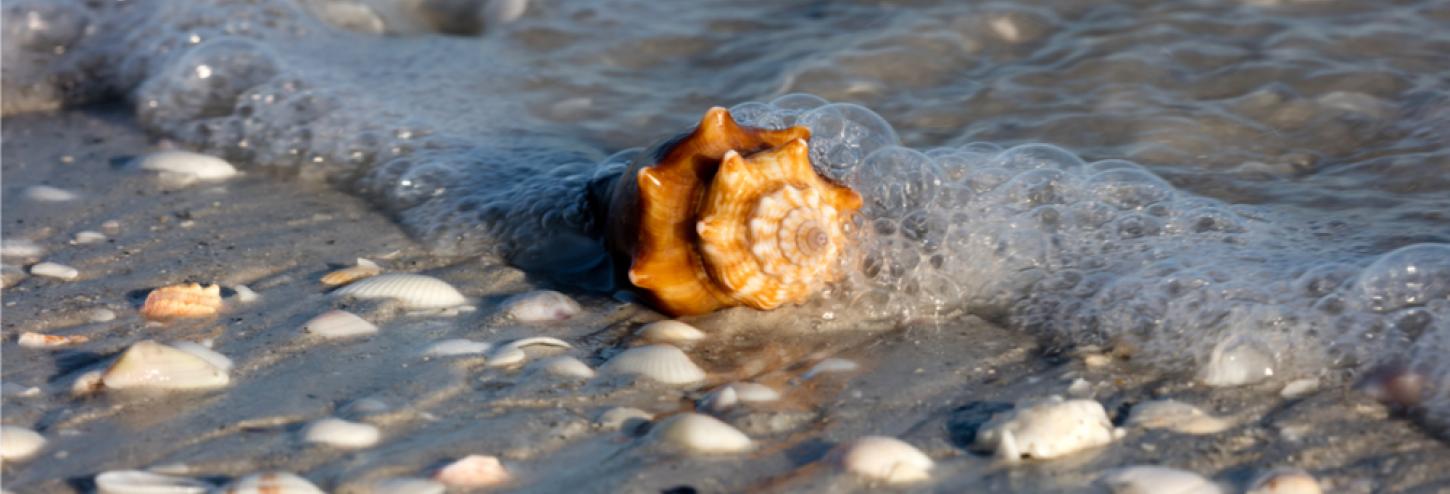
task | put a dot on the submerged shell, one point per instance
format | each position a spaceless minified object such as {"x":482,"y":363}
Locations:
{"x":407,"y":485}
{"x":457,"y":346}
{"x":1156,"y":480}
{"x":338,"y":324}
{"x":343,"y":434}
{"x":474,"y":471}
{"x":19,"y":443}
{"x":184,"y":301}
{"x":31,"y":339}
{"x":1176,"y":416}
{"x":363,"y":269}
{"x":885,"y":459}
{"x":541,"y":306}
{"x":143,"y":482}
{"x":54,"y":270}
{"x":1047,"y":429}
{"x":701,"y":434}
{"x":148,"y":364}
{"x":670,"y":331}
{"x":661,"y":363}
{"x":763,"y":232}
{"x":415,"y":291}
{"x":830,"y":366}
{"x":566,"y":366}
{"x":189,"y":165}
{"x":272,"y":483}
{"x":1237,"y":361}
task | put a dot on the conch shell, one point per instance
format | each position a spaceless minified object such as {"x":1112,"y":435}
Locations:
{"x":729,"y":215}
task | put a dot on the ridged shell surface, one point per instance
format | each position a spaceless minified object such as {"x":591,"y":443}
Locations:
{"x":339,"y":324}
{"x":885,"y":459}
{"x":148,"y":364}
{"x":415,"y":291}
{"x":272,"y":483}
{"x":700,"y":434}
{"x":143,"y":482}
{"x":183,"y":301}
{"x":661,"y":363}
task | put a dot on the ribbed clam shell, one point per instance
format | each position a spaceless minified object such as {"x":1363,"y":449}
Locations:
{"x":1156,"y":480}
{"x":415,"y":291}
{"x":700,"y":434}
{"x":143,"y":482}
{"x":541,"y":306}
{"x":272,"y":483}
{"x":566,"y":366}
{"x":885,"y":459}
{"x":188,"y":164}
{"x":148,"y":364}
{"x":363,"y":269}
{"x":661,"y":363}
{"x":1047,"y":429}
{"x":342,"y":434}
{"x":186,"y":300}
{"x":670,"y":331}
{"x":474,"y":471}
{"x":19,"y":443}
{"x":54,"y":270}
{"x":338,"y":324}
{"x":1176,"y":416}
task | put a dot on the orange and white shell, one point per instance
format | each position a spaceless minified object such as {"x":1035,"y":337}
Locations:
{"x":730,"y":215}
{"x":187,"y":300}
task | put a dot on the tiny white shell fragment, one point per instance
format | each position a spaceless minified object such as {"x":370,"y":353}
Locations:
{"x":19,"y":443}
{"x":1237,"y":361}
{"x":88,"y":237}
{"x":187,"y":165}
{"x":338,"y":324}
{"x":342,"y":434}
{"x":474,"y":471}
{"x":1047,"y":429}
{"x":143,"y":482}
{"x":566,"y":366}
{"x":1285,"y":481}
{"x":148,"y":364}
{"x":457,"y":346}
{"x":1176,"y":416}
{"x":272,"y":483}
{"x":701,"y":434}
{"x":101,"y":314}
{"x":505,"y":356}
{"x":661,"y":363}
{"x":830,"y":365}
{"x":541,"y":306}
{"x":617,"y":417}
{"x":20,"y":247}
{"x":1299,"y":388}
{"x":1156,"y":480}
{"x":415,"y":291}
{"x":245,"y":294}
{"x":46,"y":193}
{"x":670,"y":331}
{"x":885,"y":459}
{"x":407,"y":485}
{"x":54,"y":270}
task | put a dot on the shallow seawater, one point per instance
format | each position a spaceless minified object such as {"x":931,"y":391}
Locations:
{"x":1267,"y":178}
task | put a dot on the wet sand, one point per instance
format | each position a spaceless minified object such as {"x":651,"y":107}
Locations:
{"x":925,"y":382}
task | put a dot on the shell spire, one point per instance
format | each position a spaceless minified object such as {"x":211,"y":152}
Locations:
{"x":729,"y":215}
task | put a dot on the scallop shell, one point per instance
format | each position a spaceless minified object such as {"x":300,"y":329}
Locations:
{"x":415,"y":291}
{"x":474,"y":471}
{"x":700,"y":434}
{"x":341,"y":434}
{"x":661,"y":363}
{"x":885,"y":459}
{"x":363,"y":269}
{"x":19,"y":443}
{"x":143,"y":482}
{"x":1047,"y":429}
{"x":1285,"y":481}
{"x":1176,"y":416}
{"x":31,"y":339}
{"x":54,"y":270}
{"x":729,"y":215}
{"x":184,"y":301}
{"x":1156,"y":480}
{"x":670,"y":331}
{"x":272,"y":483}
{"x":188,"y":165}
{"x":541,"y":306}
{"x":338,"y":324}
{"x":148,"y":364}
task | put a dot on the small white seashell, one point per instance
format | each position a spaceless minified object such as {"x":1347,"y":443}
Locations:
{"x":566,"y":366}
{"x":46,"y":193}
{"x":1080,"y":388}
{"x":505,"y":356}
{"x":1156,"y":480}
{"x":830,"y":365}
{"x":1285,"y":481}
{"x":1093,"y":360}
{"x":342,"y":434}
{"x":722,"y":399}
{"x":272,"y":483}
{"x":1237,"y":361}
{"x":541,"y":306}
{"x":1299,"y":388}
{"x":54,"y":270}
{"x":148,"y":364}
{"x":143,"y":482}
{"x":498,"y":12}
{"x":1047,"y":429}
{"x":338,"y":324}
{"x":20,"y":247}
{"x":187,"y":165}
{"x":245,"y":294}
{"x":703,"y":434}
{"x":19,"y":443}
{"x":415,"y":291}
{"x":456,"y":346}
{"x":31,"y":339}
{"x":885,"y":459}
{"x":101,"y":314}
{"x":619,"y":417}
{"x":1176,"y":416}
{"x":474,"y":471}
{"x":661,"y":363}
{"x":201,"y":351}
{"x":754,"y":392}
{"x":670,"y":331}
{"x":88,"y":237}
{"x":407,"y":485}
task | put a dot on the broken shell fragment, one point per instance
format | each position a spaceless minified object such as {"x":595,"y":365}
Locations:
{"x":245,"y":294}
{"x":363,"y":269}
{"x":272,"y":483}
{"x":338,"y":324}
{"x":184,"y":301}
{"x":474,"y":471}
{"x":19,"y":443}
{"x":143,"y":482}
{"x":670,"y":331}
{"x":1047,"y":429}
{"x":54,"y":270}
{"x":187,"y":166}
{"x":149,"y":364}
{"x":885,"y":459}
{"x":341,"y":434}
{"x":700,"y":434}
{"x":1176,"y":416}
{"x":661,"y":363}
{"x":414,"y":291}
{"x":31,"y":339}
{"x":1156,"y":480}
{"x":1285,"y":481}
{"x":541,"y":306}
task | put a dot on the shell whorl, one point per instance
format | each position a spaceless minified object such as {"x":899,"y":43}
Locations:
{"x":730,"y":215}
